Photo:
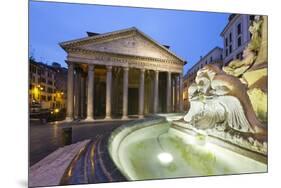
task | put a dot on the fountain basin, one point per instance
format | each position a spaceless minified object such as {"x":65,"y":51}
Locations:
{"x":153,"y":149}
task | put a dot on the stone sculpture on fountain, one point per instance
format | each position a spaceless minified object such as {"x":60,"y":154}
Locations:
{"x":220,"y":101}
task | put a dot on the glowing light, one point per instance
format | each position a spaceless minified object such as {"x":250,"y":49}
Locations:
{"x":165,"y":158}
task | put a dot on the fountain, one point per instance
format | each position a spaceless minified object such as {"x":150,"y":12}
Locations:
{"x":224,"y":131}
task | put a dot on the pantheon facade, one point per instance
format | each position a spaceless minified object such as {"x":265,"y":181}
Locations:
{"x":120,"y":74}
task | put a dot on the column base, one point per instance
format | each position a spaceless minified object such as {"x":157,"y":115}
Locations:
{"x":69,"y":119}
{"x":125,"y":117}
{"x":141,"y":116}
{"x":89,"y":119}
{"x":107,"y":118}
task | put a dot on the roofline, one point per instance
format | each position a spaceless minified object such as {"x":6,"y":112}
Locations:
{"x":229,"y":23}
{"x":213,"y":49}
{"x":63,"y":44}
{"x":94,"y":37}
{"x":40,"y":64}
{"x":163,"y":47}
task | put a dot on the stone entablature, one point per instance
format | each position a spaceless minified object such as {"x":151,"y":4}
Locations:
{"x":104,"y":58}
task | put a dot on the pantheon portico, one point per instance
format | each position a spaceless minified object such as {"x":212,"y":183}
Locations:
{"x":121,"y":73}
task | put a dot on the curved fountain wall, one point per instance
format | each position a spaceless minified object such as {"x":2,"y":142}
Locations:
{"x":135,"y":148}
{"x":119,"y":134}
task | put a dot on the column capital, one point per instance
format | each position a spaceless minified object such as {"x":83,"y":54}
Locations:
{"x":70,"y":65}
{"x":108,"y":67}
{"x":126,"y":68}
{"x":156,"y":73}
{"x":142,"y":69}
{"x":91,"y":67}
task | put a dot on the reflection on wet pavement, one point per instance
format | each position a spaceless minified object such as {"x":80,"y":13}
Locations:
{"x":44,"y":139}
{"x":92,"y":165}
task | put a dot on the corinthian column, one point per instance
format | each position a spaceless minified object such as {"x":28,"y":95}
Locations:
{"x":175,"y":93}
{"x":90,"y":93}
{"x":181,"y":93}
{"x":82,"y":96}
{"x":168,"y":104}
{"x":156,"y":81}
{"x":70,"y":74}
{"x":108,"y":92}
{"x":77,"y":93}
{"x":125,"y":93}
{"x":141,"y":93}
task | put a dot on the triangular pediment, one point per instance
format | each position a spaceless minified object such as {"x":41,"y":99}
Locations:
{"x":127,"y":42}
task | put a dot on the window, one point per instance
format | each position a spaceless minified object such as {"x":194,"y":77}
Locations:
{"x":226,"y":53}
{"x":49,"y":98}
{"x":230,"y":49}
{"x":43,"y":97}
{"x":239,"y":29}
{"x":33,"y":69}
{"x":239,"y":56}
{"x":228,"y":62}
{"x":225,"y":41}
{"x":50,"y":82}
{"x":50,"y":90}
{"x":252,"y":17}
{"x":239,"y":42}
{"x":206,"y":62}
{"x":221,"y":56}
{"x":211,"y":59}
{"x":230,"y":37}
{"x":43,"y":80}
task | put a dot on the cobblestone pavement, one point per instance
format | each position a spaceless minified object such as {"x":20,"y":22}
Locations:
{"x":46,"y":138}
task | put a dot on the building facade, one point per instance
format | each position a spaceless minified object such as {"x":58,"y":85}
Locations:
{"x":121,"y":73}
{"x":60,"y":85}
{"x":214,"y":56}
{"x":43,"y":86}
{"x":236,"y":36}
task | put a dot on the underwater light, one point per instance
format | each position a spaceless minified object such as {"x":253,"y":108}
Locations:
{"x":165,"y":158}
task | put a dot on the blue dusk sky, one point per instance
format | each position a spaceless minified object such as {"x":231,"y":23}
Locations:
{"x":190,"y":34}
